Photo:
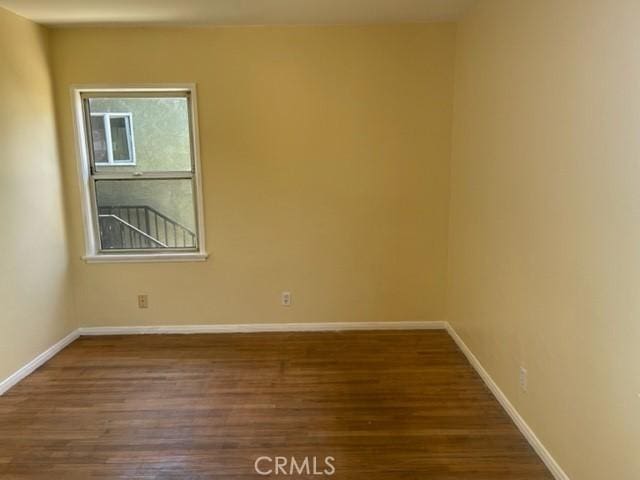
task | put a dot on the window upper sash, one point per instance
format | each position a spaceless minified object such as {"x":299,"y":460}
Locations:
{"x":136,"y":172}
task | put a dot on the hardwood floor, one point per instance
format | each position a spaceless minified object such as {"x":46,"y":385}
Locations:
{"x":386,"y":405}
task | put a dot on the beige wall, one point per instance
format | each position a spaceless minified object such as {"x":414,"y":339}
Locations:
{"x":545,"y":244}
{"x":35,"y":295}
{"x":325,"y":156}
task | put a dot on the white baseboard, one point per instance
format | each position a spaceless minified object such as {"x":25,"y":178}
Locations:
{"x":528,"y":433}
{"x":27,"y":369}
{"x":264,"y":327}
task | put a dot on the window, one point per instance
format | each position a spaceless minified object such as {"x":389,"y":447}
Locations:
{"x":142,"y":199}
{"x":112,"y":138}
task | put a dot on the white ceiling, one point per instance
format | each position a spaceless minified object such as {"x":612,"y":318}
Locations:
{"x":234,"y":12}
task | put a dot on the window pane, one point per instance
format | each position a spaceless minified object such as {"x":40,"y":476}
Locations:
{"x":120,"y":139}
{"x":160,"y":132}
{"x":99,"y":138}
{"x":146,"y":214}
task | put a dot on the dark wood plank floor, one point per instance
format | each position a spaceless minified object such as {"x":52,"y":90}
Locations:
{"x":385,"y":405}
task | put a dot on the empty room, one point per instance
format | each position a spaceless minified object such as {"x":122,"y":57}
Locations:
{"x":350,"y":239}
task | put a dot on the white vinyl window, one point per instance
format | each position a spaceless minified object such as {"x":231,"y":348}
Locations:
{"x":112,"y":138}
{"x":142,"y":200}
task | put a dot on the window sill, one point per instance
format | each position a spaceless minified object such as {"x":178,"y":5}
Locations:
{"x":146,"y":258}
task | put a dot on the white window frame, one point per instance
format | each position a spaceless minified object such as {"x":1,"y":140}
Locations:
{"x":93,"y":253}
{"x":106,"y":119}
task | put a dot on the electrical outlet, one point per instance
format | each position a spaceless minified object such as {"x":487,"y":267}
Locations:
{"x":524,"y":381}
{"x":143,"y":301}
{"x":285,"y":300}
